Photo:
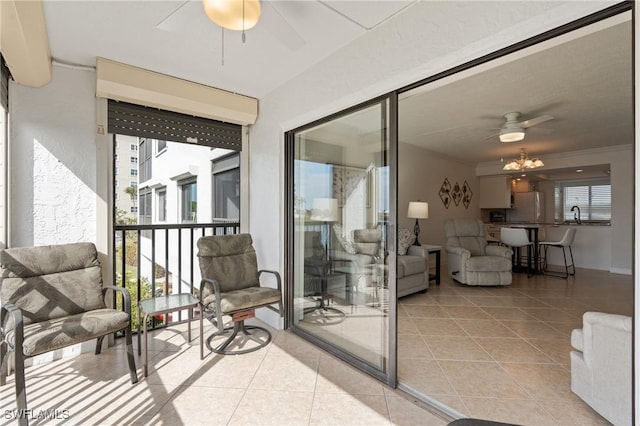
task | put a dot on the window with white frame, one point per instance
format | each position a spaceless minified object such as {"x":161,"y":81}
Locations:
{"x":133,"y":147}
{"x":590,"y":200}
{"x":134,"y":172}
{"x":144,"y":205}
{"x":189,"y":200}
{"x":161,"y":146}
{"x":161,"y":204}
{"x":226,"y":187}
{"x":144,"y":159}
{"x":134,"y":160}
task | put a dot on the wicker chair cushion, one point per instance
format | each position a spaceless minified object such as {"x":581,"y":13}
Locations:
{"x":230,"y":260}
{"x":58,"y":333}
{"x":51,"y":282}
{"x":244,"y":299}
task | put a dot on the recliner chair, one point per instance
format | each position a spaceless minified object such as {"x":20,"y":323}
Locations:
{"x":601,"y":365}
{"x":471,"y":260}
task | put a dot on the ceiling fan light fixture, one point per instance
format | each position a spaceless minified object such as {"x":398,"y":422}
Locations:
{"x":237,"y":15}
{"x":509,"y":135}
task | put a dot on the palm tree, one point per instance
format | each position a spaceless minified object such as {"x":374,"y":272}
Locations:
{"x":133,"y":193}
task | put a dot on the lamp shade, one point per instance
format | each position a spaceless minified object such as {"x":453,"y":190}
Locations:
{"x":233,"y":14}
{"x":418,"y":210}
{"x":325,"y":210}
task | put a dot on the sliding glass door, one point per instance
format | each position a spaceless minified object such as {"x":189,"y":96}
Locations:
{"x":340,"y":198}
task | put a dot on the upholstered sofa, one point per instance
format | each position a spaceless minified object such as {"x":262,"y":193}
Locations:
{"x":470,"y":260}
{"x":601,"y":365}
{"x":367,"y":259}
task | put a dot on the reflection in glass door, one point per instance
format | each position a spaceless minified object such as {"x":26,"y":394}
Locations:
{"x":340,"y":179}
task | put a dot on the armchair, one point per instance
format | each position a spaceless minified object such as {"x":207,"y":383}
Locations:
{"x":231,"y":286}
{"x":471,"y":260}
{"x":601,"y":370}
{"x":367,"y":253}
{"x":53,"y":297}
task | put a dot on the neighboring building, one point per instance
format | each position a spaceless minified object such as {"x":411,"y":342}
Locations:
{"x":126,"y":175}
{"x":182,"y":183}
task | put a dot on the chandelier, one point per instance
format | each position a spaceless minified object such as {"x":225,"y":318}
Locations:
{"x":523,"y":162}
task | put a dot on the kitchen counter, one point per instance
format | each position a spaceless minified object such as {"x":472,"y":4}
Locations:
{"x":551,"y":224}
{"x":591,"y":247}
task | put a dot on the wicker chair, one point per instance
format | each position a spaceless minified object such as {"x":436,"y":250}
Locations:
{"x":53,"y":297}
{"x":231,"y":286}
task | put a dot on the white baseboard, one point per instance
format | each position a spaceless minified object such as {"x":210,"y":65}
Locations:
{"x":623,"y":271}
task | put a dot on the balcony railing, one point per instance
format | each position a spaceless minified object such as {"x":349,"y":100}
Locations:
{"x":156,"y":260}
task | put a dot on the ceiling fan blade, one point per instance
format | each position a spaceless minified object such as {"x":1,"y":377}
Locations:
{"x":536,"y":120}
{"x":447,"y":129}
{"x":280,"y":28}
{"x":181,"y":17}
{"x":493,"y":136}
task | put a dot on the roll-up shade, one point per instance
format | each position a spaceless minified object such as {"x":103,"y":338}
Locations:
{"x":126,"y":83}
{"x":4,"y":84}
{"x":137,"y":120}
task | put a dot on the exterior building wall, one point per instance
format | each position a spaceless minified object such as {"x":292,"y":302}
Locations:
{"x":170,"y":168}
{"x":124,"y":163}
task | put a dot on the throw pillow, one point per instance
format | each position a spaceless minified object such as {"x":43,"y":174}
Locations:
{"x":405,"y":239}
{"x":347,"y":245}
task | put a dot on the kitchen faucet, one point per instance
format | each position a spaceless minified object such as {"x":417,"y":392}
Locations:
{"x":576,"y":216}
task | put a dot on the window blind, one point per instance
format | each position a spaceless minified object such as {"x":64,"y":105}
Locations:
{"x":137,"y":120}
{"x":592,"y":198}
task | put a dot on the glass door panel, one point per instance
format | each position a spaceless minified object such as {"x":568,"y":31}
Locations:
{"x":341,"y":206}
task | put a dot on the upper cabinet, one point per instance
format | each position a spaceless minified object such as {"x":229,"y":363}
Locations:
{"x":524,"y":185}
{"x":495,"y":192}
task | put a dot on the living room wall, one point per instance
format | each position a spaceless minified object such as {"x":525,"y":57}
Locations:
{"x":421,"y":174}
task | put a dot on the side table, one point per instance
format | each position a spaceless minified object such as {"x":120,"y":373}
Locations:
{"x":433,"y":249}
{"x":162,"y":305}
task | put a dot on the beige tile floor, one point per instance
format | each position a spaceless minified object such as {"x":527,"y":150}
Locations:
{"x":502,"y":353}
{"x":289,"y":382}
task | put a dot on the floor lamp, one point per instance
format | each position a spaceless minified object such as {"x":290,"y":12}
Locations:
{"x":326,"y":210}
{"x":418,"y":210}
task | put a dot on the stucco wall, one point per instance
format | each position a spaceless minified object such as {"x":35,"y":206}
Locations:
{"x":53,"y":160}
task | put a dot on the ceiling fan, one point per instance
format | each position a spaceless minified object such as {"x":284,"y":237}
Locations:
{"x":513,"y":129}
{"x":187,"y":12}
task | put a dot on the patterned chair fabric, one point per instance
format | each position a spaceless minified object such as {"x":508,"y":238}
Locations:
{"x":231,"y":285}
{"x":231,"y":261}
{"x":52,"y":297}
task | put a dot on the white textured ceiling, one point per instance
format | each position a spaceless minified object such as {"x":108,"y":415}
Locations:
{"x":176,"y":38}
{"x":585,"y":83}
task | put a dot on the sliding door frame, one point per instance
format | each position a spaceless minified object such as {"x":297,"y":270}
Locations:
{"x":389,"y":124}
{"x":391,"y":377}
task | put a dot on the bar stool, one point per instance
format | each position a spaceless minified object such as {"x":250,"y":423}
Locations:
{"x":516,"y":238}
{"x":564,"y":243}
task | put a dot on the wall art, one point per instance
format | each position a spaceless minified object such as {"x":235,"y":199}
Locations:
{"x":456,"y":193}
{"x":466,"y":194}
{"x":445,"y":193}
